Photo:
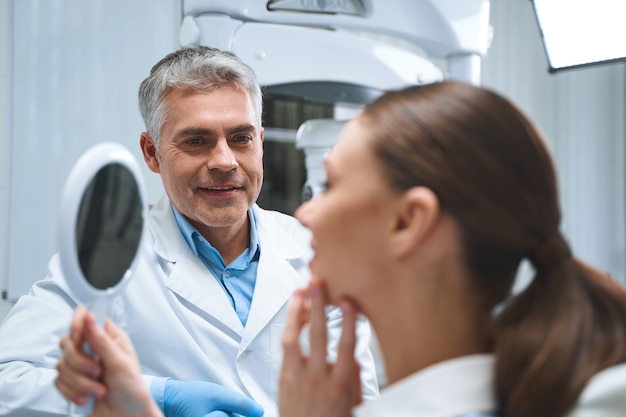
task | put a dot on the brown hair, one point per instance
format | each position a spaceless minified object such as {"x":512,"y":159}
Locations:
{"x":491,"y":170}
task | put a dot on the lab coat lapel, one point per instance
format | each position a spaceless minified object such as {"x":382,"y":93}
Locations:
{"x":276,"y":281}
{"x":193,"y":281}
{"x":188,"y":276}
{"x":282,"y":268}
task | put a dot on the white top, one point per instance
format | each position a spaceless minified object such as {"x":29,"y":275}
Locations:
{"x":447,"y":389}
{"x":605,"y":396}
{"x":464,"y":386}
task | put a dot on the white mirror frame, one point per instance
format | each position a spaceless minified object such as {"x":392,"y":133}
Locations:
{"x":86,"y":168}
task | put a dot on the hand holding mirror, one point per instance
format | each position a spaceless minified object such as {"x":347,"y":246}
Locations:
{"x":102,"y":223}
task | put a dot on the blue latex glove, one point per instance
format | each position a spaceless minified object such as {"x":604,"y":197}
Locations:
{"x":201,"y":398}
{"x":219,"y":414}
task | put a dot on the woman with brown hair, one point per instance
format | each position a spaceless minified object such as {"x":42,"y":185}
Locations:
{"x":435,"y":196}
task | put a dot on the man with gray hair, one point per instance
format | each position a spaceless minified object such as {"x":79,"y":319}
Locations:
{"x":207,"y":316}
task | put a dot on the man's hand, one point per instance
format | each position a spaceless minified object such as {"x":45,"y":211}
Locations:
{"x":201,"y":398}
{"x":309,"y":385}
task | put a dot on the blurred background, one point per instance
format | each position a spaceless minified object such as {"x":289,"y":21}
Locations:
{"x":69,"y":73}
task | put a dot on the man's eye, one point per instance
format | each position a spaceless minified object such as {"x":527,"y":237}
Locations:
{"x":242,"y":139}
{"x":193,"y":141}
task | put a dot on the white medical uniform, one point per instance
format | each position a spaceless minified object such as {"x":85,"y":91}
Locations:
{"x":452,"y":388}
{"x":464,"y":386}
{"x":179,"y":319}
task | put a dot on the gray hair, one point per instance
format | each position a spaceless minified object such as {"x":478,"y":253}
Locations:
{"x":198,"y":68}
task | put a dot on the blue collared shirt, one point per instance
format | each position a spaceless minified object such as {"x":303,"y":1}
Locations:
{"x":237,"y":278}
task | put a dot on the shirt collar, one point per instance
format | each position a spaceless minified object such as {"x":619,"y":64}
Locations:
{"x":188,"y":231}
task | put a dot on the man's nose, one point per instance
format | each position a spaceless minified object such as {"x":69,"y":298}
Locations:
{"x":222,"y":157}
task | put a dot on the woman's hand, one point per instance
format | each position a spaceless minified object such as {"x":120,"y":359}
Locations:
{"x":309,"y":385}
{"x":112,"y":376}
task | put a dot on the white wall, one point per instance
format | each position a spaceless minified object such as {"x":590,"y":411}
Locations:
{"x":582,"y":114}
{"x":76,"y":66}
{"x":4,"y":142}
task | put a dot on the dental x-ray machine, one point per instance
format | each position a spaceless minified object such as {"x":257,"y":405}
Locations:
{"x":346,"y":52}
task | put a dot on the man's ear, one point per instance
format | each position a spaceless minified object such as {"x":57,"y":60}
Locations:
{"x":149,"y":151}
{"x":417,"y":213}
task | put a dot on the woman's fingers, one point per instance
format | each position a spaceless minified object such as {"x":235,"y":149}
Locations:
{"x":76,"y":360}
{"x":347,"y":367}
{"x":77,"y":371}
{"x":318,"y":332}
{"x":78,"y":388}
{"x":70,"y":393}
{"x":119,"y":337}
{"x":296,"y":319}
{"x":78,"y":324}
{"x":347,"y":342}
{"x":309,"y":385}
{"x":103,"y":345}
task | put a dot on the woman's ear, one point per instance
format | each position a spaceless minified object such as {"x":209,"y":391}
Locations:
{"x":417,"y":213}
{"x":148,"y":148}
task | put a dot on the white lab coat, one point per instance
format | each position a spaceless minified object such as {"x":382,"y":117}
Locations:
{"x":178,"y":318}
{"x":464,"y":386}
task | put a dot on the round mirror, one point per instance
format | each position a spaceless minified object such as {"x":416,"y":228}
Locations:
{"x":101,"y":224}
{"x":108,"y":226}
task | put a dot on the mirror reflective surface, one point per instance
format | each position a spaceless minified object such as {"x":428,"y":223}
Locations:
{"x":109,"y":226}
